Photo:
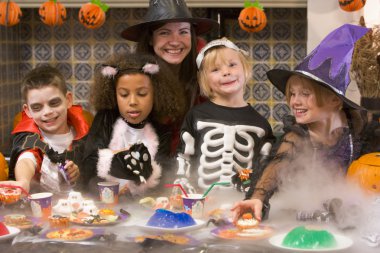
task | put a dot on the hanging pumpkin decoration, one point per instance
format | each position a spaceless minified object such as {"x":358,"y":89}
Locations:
{"x":10,"y":13}
{"x":52,"y":13}
{"x":366,"y":172}
{"x":252,"y":18}
{"x":93,"y":15}
{"x":3,"y":168}
{"x":351,"y":5}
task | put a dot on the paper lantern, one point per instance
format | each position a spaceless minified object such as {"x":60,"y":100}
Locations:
{"x":252,"y":18}
{"x":351,"y":5}
{"x":10,"y":13}
{"x":93,"y":15}
{"x":52,"y":13}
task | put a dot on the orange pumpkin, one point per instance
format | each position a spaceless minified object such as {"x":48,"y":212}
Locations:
{"x":252,"y":18}
{"x":366,"y":172}
{"x":351,"y":5}
{"x":93,"y":15}
{"x":3,"y":168}
{"x":10,"y":13}
{"x":52,"y":13}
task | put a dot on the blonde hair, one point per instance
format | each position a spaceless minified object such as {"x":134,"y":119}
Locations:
{"x":209,"y":62}
{"x":321,"y":93}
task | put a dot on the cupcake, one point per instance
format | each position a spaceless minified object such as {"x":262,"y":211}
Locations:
{"x":246,"y":221}
{"x":59,"y":221}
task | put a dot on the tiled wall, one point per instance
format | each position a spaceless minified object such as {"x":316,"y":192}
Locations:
{"x":76,"y":51}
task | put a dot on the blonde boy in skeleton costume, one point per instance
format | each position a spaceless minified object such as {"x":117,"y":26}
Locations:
{"x":223,"y":139}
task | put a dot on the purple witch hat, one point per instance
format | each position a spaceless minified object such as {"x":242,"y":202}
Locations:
{"x":329,"y":63}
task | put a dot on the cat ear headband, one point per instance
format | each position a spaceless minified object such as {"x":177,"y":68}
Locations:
{"x":111,"y":71}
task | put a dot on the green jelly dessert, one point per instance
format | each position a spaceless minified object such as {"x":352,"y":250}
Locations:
{"x":303,"y":238}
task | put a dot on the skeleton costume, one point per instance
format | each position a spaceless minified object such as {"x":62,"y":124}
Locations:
{"x":218,"y":142}
{"x":49,"y":152}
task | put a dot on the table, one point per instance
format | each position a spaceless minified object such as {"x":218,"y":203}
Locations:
{"x":126,"y":230}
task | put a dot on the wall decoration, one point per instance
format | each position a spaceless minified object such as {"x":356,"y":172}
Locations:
{"x":93,"y":14}
{"x":52,"y":13}
{"x":252,"y":18}
{"x":351,"y":5}
{"x":10,"y":13}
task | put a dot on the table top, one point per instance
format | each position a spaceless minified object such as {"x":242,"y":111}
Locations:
{"x":124,"y":233}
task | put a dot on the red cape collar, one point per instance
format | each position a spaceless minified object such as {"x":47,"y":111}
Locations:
{"x":74,"y":118}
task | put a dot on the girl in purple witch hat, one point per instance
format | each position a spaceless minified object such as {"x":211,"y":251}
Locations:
{"x":327,"y":130}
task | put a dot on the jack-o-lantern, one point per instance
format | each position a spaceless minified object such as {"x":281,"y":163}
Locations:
{"x":52,"y":13}
{"x":10,"y":13}
{"x":252,"y":18}
{"x":3,"y":168}
{"x":93,"y":15}
{"x":351,"y":5}
{"x":366,"y":172}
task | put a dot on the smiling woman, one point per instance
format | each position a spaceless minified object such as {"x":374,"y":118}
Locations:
{"x":169,"y":32}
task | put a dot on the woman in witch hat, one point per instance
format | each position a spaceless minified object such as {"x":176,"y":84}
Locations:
{"x":327,"y":130}
{"x":169,"y":32}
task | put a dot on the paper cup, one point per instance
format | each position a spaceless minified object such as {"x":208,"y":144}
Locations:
{"x":41,"y":204}
{"x":109,"y":192}
{"x":194,"y":205}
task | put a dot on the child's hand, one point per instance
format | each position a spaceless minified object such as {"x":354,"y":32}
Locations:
{"x":22,"y":184}
{"x":72,"y":170}
{"x":251,"y":205}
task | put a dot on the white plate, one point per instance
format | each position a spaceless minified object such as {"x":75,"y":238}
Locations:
{"x":199,"y":224}
{"x":12,"y":233}
{"x":343,"y":242}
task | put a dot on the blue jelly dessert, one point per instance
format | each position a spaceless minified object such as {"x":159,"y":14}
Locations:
{"x":167,"y":219}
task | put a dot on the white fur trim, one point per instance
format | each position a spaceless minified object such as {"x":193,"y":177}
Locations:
{"x":104,"y":162}
{"x":123,"y":136}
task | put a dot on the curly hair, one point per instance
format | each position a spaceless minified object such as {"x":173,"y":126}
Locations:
{"x":103,"y":90}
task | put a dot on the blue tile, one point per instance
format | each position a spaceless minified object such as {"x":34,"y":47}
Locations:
{"x":102,"y":33}
{"x":299,"y":51}
{"x":300,"y":31}
{"x":263,"y":109}
{"x":42,"y":32}
{"x":63,"y":32}
{"x":117,"y":29}
{"x":120,"y":48}
{"x":42,"y":52}
{"x":261,"y":91}
{"x":82,"y":51}
{"x":238,"y":33}
{"x":82,"y":91}
{"x":25,"y":67}
{"x":62,"y":51}
{"x":243,"y":45}
{"x":139,"y":13}
{"x":281,"y":13}
{"x":26,"y":32}
{"x":277,"y":94}
{"x":26,"y":51}
{"x":280,"y":110}
{"x":261,"y":52}
{"x":81,"y":33}
{"x":259,"y":72}
{"x":83,"y":71}
{"x":281,"y":31}
{"x":282,"y":52}
{"x":300,"y":13}
{"x":26,"y":14}
{"x":66,"y":69}
{"x":102,"y":51}
{"x":120,"y":14}
{"x":263,"y":34}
